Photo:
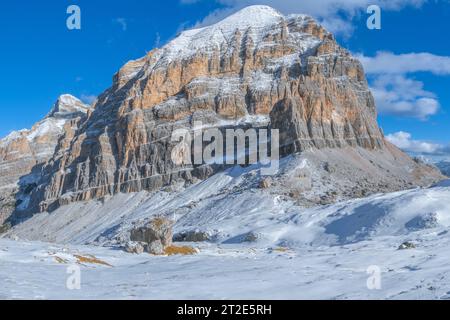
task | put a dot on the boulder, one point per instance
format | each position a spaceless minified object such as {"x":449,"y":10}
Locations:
{"x":156,"y":234}
{"x":407,"y":245}
{"x":156,"y":248}
{"x":192,"y":236}
{"x":135,"y":247}
{"x":265,"y":183}
{"x":251,"y":237}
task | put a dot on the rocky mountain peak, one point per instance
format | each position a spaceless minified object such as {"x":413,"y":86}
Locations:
{"x":252,"y":29}
{"x":26,"y":150}
{"x":256,"y":64}
{"x":68,"y":106}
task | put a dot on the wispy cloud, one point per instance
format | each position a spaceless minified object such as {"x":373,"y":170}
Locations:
{"x":395,"y":89}
{"x":336,"y":15}
{"x":157,"y":42}
{"x":122,"y":22}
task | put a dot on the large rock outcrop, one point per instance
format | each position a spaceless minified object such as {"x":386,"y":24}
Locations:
{"x":256,"y":67}
{"x":156,"y":235}
{"x":22,"y":153}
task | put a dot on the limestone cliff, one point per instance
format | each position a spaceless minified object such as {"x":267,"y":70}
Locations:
{"x":22,"y":152}
{"x":256,"y":64}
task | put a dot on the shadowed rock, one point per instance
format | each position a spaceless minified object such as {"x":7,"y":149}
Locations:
{"x":156,"y":234}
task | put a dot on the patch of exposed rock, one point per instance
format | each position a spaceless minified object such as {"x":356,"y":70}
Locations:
{"x":23,"y":153}
{"x":192,"y":236}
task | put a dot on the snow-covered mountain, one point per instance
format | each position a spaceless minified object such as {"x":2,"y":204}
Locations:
{"x":343,"y":199}
{"x":256,"y":23}
{"x":24,"y":150}
{"x":40,"y":141}
{"x":441,"y":161}
{"x":254,"y":65}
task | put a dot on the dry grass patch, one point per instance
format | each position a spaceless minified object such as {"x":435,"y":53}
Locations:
{"x":91,"y":259}
{"x":281,"y":249}
{"x":158,"y":222}
{"x":183,"y":250}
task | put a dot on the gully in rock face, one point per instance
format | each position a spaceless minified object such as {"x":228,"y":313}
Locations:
{"x":241,"y":147}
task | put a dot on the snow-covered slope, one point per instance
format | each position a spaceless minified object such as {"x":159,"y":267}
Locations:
{"x":259,"y":237}
{"x":441,"y":161}
{"x":318,"y":253}
{"x":444,"y":166}
{"x":254,"y":21}
{"x":228,"y":205}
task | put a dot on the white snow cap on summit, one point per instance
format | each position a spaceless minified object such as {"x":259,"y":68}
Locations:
{"x":68,"y":99}
{"x":65,"y":108}
{"x":257,"y":20}
{"x":68,"y":104}
{"x":252,"y":16}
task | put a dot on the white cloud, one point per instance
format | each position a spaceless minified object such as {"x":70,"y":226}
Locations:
{"x":401,"y":96}
{"x":122,"y":22}
{"x":394,"y":89}
{"x":404,"y":141}
{"x":336,"y":15}
{"x":389,"y":63}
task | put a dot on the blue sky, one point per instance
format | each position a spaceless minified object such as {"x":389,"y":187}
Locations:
{"x":41,"y":58}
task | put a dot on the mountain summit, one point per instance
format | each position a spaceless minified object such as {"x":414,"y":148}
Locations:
{"x":23,"y":150}
{"x":68,"y":106}
{"x":256,"y":68}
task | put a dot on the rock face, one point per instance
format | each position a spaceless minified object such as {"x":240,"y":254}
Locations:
{"x":256,"y":67}
{"x":22,"y":152}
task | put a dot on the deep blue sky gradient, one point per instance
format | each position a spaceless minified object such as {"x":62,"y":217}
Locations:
{"x":41,"y":59}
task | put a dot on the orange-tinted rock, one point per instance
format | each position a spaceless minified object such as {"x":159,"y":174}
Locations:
{"x":289,"y":69}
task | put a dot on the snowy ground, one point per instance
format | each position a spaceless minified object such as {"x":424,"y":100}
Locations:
{"x":31,"y":270}
{"x":317,"y":253}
